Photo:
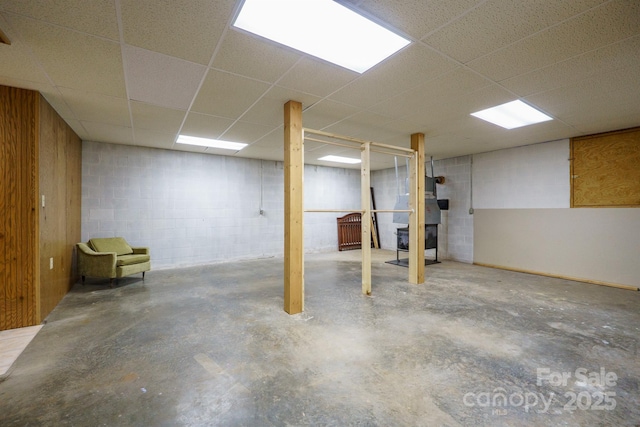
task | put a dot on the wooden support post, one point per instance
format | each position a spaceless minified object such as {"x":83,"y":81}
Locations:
{"x":293,"y":208}
{"x":365,"y":223}
{"x":416,"y":217}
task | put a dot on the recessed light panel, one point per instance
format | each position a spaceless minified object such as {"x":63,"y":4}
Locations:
{"x":339,"y":159}
{"x":212,"y":143}
{"x":512,"y":115}
{"x":322,"y":28}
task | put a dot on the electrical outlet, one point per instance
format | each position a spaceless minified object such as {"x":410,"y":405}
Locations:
{"x":43,"y":200}
{"x":51,"y":263}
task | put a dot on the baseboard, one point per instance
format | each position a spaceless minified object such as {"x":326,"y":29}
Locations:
{"x":558,"y":276}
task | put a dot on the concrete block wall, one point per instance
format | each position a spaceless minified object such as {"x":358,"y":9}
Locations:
{"x":455,"y":235}
{"x":193,"y":208}
{"x":533,"y":176}
{"x":386,"y":190}
{"x":327,"y":188}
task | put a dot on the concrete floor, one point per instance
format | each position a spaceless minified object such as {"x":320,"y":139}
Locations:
{"x":212,"y":346}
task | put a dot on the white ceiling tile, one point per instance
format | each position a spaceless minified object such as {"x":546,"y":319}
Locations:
{"x":417,"y":18}
{"x":607,"y":24}
{"x":404,"y":104}
{"x":465,"y":104}
{"x":618,"y":115}
{"x":92,"y":107}
{"x":227,"y":95}
{"x":73,"y":59}
{"x":541,"y":132}
{"x":14,"y":61}
{"x":249,"y":56}
{"x":590,"y":92}
{"x":159,"y":119}
{"x":283,"y":95}
{"x":407,"y":69}
{"x":269,"y":110}
{"x":406,"y":128}
{"x":53,"y":96}
{"x":16,"y":58}
{"x":274,"y":139}
{"x":498,"y":23}
{"x":161,"y":80}
{"x":313,"y":149}
{"x":101,"y":132}
{"x":581,"y":69}
{"x":96,"y":17}
{"x":155,"y":139}
{"x":324,"y":113}
{"x":246,"y":132}
{"x":316,"y":77}
{"x":187,"y":29}
{"x":625,"y":53}
{"x":364,"y":125}
{"x":205,"y":126}
{"x":597,"y":96}
{"x":438,"y":93}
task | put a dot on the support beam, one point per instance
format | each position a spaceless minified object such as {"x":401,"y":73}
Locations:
{"x":416,"y":204}
{"x":365,"y":223}
{"x":293,"y":209}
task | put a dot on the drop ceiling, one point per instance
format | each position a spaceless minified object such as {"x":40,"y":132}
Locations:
{"x":140,"y":72}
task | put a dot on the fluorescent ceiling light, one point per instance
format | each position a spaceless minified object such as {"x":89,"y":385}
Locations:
{"x":212,"y":143}
{"x":512,"y":115}
{"x":339,"y":159}
{"x":322,"y":28}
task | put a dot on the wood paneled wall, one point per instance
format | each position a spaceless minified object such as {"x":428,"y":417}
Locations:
{"x":39,"y":155}
{"x":60,"y":177}
{"x":18,"y":212}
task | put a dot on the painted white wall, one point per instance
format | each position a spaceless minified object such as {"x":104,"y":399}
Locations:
{"x":587,"y":244}
{"x":193,"y":208}
{"x":533,"y":176}
{"x":523,"y":219}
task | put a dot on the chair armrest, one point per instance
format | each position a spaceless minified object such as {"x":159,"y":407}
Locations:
{"x":141,"y":250}
{"x":96,"y":264}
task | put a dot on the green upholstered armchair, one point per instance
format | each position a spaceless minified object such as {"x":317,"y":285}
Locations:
{"x":111,"y":258}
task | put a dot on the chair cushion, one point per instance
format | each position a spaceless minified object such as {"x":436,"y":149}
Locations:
{"x":111,"y":244}
{"x":131,"y":259}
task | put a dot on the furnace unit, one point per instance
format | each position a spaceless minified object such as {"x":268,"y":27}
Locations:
{"x":432,"y":217}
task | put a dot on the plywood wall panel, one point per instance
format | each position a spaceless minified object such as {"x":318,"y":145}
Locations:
{"x":73,"y":156}
{"x":60,"y":172}
{"x":39,"y":155}
{"x":18,"y":214}
{"x":605,"y":169}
